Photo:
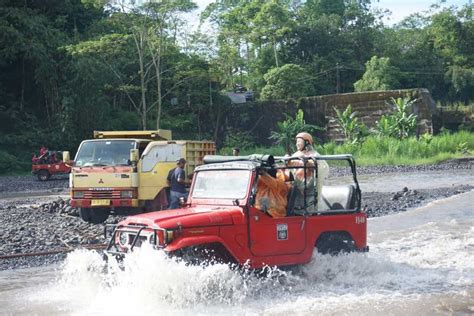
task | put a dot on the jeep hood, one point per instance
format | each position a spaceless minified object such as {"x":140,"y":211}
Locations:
{"x":187,"y":217}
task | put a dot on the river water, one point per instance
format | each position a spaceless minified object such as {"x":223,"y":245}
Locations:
{"x":421,"y":262}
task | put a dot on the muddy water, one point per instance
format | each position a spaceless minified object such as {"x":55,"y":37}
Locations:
{"x":421,"y":262}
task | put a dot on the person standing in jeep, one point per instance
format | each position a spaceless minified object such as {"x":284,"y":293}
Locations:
{"x":178,"y":182}
{"x":304,"y":147}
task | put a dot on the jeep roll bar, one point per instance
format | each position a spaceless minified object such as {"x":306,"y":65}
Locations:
{"x":268,"y":162}
{"x":347,"y":157}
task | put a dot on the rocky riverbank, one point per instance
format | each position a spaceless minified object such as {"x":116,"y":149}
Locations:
{"x":48,"y":223}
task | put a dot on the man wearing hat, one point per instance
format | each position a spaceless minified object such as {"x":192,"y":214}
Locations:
{"x":177,"y":180}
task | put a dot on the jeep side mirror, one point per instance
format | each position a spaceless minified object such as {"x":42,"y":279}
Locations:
{"x":66,"y":157}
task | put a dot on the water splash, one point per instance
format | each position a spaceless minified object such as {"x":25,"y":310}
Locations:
{"x":420,"y":263}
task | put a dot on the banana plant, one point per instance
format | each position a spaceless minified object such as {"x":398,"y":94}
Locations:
{"x":354,"y":131}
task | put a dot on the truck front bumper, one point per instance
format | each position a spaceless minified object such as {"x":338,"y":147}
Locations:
{"x":113,"y":203}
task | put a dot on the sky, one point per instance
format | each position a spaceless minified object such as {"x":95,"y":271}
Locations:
{"x":399,"y":8}
{"x":403,"y":8}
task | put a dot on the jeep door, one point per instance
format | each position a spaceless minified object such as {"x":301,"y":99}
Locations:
{"x":276,"y":236}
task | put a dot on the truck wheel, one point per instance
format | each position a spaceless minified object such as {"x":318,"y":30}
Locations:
{"x":85,"y":214}
{"x":99,"y":215}
{"x":43,"y":175}
{"x":335,"y":243}
{"x":94,"y":216}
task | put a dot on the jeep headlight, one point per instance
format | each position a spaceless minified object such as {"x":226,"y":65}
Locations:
{"x":128,"y":194}
{"x":123,"y":238}
{"x":77,"y":194}
{"x":169,"y":234}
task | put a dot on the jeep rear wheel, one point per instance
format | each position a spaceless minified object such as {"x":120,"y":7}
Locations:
{"x":335,"y":243}
{"x":43,"y":175}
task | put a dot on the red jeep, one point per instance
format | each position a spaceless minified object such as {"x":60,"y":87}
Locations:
{"x":49,"y":164}
{"x":220,"y":216}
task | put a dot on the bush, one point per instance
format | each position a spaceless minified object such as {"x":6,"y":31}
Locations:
{"x":400,"y":123}
{"x":10,"y":164}
{"x":353,"y":130}
{"x":288,"y":129}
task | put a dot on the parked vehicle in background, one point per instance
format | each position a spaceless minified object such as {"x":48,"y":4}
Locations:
{"x":221,"y":222}
{"x":49,"y":163}
{"x":249,"y":96}
{"x":238,"y":88}
{"x":124,"y":172}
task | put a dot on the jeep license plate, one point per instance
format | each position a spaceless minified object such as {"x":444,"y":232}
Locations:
{"x":100,"y":202}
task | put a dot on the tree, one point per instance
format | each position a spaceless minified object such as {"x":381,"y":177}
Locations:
{"x":273,"y":24}
{"x":379,"y":75}
{"x":288,"y":81}
{"x":164,"y":15}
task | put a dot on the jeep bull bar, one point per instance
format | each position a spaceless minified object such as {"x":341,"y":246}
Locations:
{"x":126,"y":237}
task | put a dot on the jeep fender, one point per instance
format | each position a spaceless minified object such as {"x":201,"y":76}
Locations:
{"x":195,"y":241}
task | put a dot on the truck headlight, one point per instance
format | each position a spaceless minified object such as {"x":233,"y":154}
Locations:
{"x":126,"y":194}
{"x":77,"y":194}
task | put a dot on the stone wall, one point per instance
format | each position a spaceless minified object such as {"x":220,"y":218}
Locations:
{"x":260,"y":118}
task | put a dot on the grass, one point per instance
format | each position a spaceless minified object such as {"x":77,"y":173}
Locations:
{"x":390,"y":151}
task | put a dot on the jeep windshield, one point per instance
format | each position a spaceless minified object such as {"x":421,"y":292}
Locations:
{"x":221,"y":184}
{"x":96,"y":153}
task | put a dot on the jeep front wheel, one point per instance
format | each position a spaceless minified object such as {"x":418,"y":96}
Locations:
{"x":43,"y":175}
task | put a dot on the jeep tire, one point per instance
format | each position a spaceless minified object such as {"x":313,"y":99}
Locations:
{"x":43,"y":175}
{"x":335,"y":243}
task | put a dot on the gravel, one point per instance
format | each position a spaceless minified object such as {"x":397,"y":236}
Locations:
{"x":48,"y":224}
{"x":10,"y":185}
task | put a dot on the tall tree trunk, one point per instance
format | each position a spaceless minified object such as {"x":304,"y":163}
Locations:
{"x":140,"y":51}
{"x":157,"y":63}
{"x":22,"y":98}
{"x":275,"y":52}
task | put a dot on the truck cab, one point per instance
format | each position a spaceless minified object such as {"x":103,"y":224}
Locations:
{"x":221,"y":217}
{"x":125,"y":172}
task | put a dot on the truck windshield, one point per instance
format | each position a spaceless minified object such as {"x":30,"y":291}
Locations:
{"x":221,"y":184}
{"x":104,"y":153}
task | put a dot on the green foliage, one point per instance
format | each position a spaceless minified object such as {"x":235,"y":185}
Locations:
{"x":409,"y":151}
{"x":289,"y":128}
{"x":69,"y":67}
{"x":462,"y":148}
{"x":288,"y":81}
{"x":10,"y":163}
{"x":354,"y":131}
{"x":400,"y":123}
{"x":243,"y":140}
{"x":379,"y":75}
